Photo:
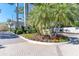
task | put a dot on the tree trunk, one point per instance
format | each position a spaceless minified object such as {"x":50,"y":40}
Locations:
{"x":17,"y":19}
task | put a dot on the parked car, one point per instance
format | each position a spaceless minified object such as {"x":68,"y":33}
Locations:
{"x":71,"y":29}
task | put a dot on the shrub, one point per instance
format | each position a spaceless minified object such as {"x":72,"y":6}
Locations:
{"x":23,"y":29}
{"x":30,"y":30}
{"x":19,"y":32}
{"x":28,"y":35}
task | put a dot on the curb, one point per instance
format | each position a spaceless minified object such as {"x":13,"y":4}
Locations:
{"x":43,"y":43}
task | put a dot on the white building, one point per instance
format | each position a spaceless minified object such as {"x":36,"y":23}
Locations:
{"x":14,"y":23}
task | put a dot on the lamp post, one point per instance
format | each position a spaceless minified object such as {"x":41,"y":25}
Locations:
{"x":26,"y":10}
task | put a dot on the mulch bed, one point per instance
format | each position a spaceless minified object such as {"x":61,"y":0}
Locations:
{"x":47,"y":38}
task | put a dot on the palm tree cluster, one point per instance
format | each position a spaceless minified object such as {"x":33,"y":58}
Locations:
{"x":21,"y":10}
{"x":47,"y":15}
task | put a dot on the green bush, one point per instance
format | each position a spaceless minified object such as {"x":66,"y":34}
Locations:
{"x":30,"y":30}
{"x":19,"y":32}
{"x":23,"y":29}
{"x":76,"y":24}
{"x":29,"y":36}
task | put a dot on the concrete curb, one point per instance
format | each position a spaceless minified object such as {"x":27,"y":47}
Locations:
{"x":43,"y":43}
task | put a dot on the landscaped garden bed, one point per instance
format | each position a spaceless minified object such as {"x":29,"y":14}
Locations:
{"x":46,"y":38}
{"x":47,"y":19}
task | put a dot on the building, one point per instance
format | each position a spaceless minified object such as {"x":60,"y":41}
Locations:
{"x":3,"y":27}
{"x":14,"y":24}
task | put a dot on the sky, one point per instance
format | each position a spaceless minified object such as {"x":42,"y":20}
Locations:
{"x":7,"y":11}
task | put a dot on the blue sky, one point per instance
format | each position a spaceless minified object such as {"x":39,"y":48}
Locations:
{"x":8,"y":11}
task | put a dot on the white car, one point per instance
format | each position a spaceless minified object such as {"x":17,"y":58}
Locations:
{"x":71,"y":29}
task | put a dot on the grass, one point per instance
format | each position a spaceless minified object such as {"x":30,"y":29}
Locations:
{"x":63,"y":40}
{"x":29,"y":36}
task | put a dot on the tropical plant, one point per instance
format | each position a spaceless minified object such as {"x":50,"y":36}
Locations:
{"x":39,"y":18}
{"x":30,"y":29}
{"x":64,"y":14}
{"x":76,"y":23}
{"x":26,"y":11}
{"x":44,"y":16}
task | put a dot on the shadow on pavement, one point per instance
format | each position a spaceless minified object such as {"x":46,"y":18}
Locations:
{"x":1,"y":47}
{"x":74,"y":40}
{"x":7,"y":35}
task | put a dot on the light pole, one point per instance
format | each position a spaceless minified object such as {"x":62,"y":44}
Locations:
{"x":26,"y":10}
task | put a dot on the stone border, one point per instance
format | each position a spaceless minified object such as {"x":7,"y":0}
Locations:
{"x":43,"y":43}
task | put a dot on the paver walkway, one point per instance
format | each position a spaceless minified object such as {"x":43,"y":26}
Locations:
{"x":28,"y":49}
{"x":69,"y":49}
{"x":9,"y":38}
{"x":19,"y":47}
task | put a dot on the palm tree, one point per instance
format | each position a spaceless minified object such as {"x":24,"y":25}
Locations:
{"x":44,"y":16}
{"x":39,"y":17}
{"x":17,"y":15}
{"x":26,"y":11}
{"x":65,"y":14}
{"x":20,"y":10}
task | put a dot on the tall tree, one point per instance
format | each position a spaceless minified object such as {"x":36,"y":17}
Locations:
{"x":26,"y":11}
{"x":47,"y":15}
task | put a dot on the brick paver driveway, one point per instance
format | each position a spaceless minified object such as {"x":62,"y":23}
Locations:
{"x":9,"y":38}
{"x":12,"y":45}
